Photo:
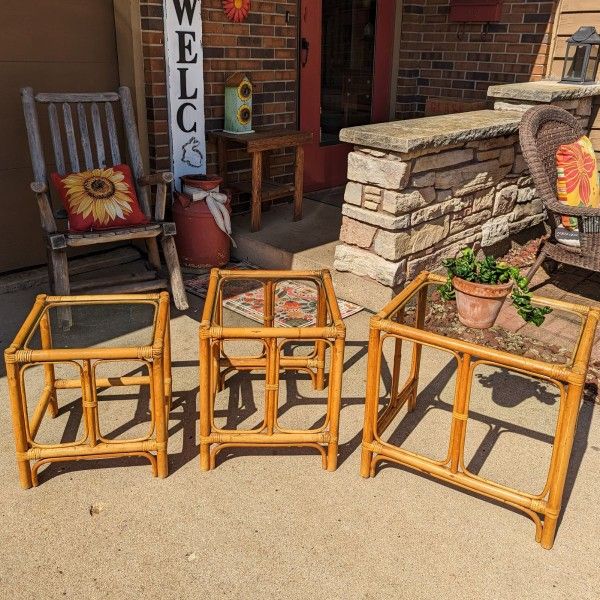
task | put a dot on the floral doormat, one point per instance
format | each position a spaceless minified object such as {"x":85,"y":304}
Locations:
{"x":295,"y":301}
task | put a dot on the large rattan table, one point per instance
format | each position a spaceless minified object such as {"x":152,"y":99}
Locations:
{"x":405,"y":320}
{"x":114,"y":341}
{"x":327,"y":336}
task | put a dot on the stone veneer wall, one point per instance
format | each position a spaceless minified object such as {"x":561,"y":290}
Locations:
{"x":404,"y":212}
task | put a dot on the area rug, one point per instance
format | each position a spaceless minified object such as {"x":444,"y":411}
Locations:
{"x":295,"y":301}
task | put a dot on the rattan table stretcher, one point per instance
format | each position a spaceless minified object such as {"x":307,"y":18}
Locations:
{"x":543,"y":508}
{"x":156,"y":357}
{"x":328,"y":333}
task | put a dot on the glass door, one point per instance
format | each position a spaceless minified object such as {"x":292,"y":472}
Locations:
{"x":345,"y":61}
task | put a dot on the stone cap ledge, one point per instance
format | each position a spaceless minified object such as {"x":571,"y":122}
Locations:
{"x":434,"y":132}
{"x":543,"y":91}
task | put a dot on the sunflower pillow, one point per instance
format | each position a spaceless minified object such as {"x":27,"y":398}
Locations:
{"x":577,"y":181}
{"x":100,"y":198}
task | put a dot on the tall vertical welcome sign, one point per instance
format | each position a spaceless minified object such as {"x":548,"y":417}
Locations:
{"x":185,"y":86}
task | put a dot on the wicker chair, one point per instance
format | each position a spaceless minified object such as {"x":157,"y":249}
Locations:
{"x":543,"y":129}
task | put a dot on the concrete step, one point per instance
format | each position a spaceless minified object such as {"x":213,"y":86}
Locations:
{"x":308,"y":244}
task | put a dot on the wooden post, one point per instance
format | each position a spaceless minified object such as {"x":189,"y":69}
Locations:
{"x":256,"y":190}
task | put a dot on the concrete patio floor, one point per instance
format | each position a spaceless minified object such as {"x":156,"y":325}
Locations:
{"x":271,"y":524}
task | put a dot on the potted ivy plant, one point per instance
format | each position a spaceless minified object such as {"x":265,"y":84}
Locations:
{"x":481,"y":286}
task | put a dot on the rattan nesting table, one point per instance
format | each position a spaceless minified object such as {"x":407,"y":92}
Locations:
{"x":87,"y":352}
{"x":328,"y":334}
{"x":569,"y":379}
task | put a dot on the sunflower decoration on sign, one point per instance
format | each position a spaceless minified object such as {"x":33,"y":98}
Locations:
{"x":236,"y":10}
{"x":101,"y":193}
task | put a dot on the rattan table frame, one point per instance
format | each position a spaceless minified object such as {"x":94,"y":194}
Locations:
{"x":543,"y":508}
{"x":157,"y":357}
{"x":215,"y":365}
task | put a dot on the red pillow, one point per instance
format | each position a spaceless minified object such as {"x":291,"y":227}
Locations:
{"x":100,"y":198}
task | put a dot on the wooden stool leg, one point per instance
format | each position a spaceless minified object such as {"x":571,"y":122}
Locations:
{"x":60,"y":277}
{"x":334,"y":403}
{"x":153,"y":255}
{"x":17,"y":405}
{"x":298,"y":183}
{"x":222,"y":159}
{"x":49,"y":378}
{"x":563,"y":445}
{"x":371,"y":402}
{"x":256,"y":190}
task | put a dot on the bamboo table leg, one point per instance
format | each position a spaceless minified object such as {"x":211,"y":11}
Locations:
{"x":563,"y":443}
{"x":256,"y":190}
{"x":298,"y":183}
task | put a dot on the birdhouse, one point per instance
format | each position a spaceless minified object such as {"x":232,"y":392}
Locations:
{"x":238,"y":104}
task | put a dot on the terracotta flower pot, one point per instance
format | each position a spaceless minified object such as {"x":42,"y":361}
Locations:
{"x":203,"y":182}
{"x":478,"y":304}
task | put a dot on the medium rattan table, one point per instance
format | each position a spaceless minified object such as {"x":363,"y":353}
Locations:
{"x":81,"y":361}
{"x":328,"y":334}
{"x":405,"y":319}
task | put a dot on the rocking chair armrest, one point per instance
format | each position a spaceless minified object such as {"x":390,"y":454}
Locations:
{"x":156,"y":178}
{"x":40,"y":189}
{"x":160,"y":180}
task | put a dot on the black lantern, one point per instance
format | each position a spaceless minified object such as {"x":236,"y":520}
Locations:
{"x":582,"y":56}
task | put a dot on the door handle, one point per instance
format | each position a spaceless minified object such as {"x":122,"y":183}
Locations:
{"x":304,"y":51}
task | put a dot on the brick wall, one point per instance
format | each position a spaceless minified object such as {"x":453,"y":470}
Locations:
{"x":454,"y":60}
{"x":263,"y":46}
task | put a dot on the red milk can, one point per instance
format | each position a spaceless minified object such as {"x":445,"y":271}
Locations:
{"x":199,"y":241}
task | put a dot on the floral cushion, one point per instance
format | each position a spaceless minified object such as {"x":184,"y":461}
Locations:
{"x":100,"y":198}
{"x":577,"y":181}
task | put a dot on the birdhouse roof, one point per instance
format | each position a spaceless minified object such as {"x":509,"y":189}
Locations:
{"x":235,"y":79}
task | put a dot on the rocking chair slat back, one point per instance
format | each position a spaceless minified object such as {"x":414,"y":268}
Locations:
{"x":133,"y":145}
{"x":99,"y":97}
{"x":81,"y":149}
{"x":112,"y":134}
{"x":71,"y":140}
{"x":33,"y":136}
{"x":56,"y":138}
{"x":85,"y":137}
{"x":98,"y":136}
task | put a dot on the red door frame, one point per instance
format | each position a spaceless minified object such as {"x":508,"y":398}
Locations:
{"x":325,"y":166}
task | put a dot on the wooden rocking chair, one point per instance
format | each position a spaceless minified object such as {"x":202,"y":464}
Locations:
{"x":57,"y":242}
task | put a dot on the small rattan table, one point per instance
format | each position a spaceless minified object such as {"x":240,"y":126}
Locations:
{"x":405,"y":319}
{"x":328,"y":334}
{"x":83,"y":360}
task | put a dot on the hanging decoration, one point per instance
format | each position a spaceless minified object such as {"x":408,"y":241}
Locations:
{"x":236,"y":10}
